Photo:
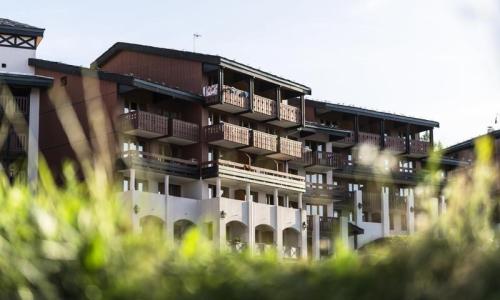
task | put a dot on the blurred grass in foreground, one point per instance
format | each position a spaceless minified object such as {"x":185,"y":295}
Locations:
{"x":75,"y":242}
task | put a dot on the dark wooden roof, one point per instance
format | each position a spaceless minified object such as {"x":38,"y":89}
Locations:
{"x":203,"y":58}
{"x":469,"y":144}
{"x":13,"y":27}
{"x":126,"y":80}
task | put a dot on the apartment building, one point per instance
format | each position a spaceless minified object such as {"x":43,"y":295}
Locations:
{"x":19,"y":99}
{"x":201,"y":140}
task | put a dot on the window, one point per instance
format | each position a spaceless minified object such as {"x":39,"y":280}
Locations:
{"x":355,"y":187}
{"x":270,"y":199}
{"x":173,"y":189}
{"x":126,"y":184}
{"x":130,"y":106}
{"x":140,"y":185}
{"x":4,"y":65}
{"x":64,"y":81}
{"x":133,"y":146}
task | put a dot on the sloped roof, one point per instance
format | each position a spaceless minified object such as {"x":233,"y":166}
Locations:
{"x":14,"y":27}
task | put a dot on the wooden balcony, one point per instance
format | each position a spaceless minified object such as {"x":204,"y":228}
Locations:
{"x":321,"y":161}
{"x":263,"y":109}
{"x":227,"y":135}
{"x":345,"y":142}
{"x":419,"y":148}
{"x":144,"y":124}
{"x":287,"y":150}
{"x":395,"y":144}
{"x":369,"y":138}
{"x":232,"y":99}
{"x":160,"y":164}
{"x":181,"y":132}
{"x":237,"y":173}
{"x":262,"y":143}
{"x":289,"y":116}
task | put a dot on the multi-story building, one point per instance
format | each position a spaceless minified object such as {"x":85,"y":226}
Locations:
{"x":19,"y":99}
{"x":205,"y":141}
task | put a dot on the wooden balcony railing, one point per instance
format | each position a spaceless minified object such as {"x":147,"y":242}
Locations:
{"x":146,"y":121}
{"x":395,"y":143}
{"x":371,"y":201}
{"x":419,"y":147}
{"x":160,"y":163}
{"x":322,"y":158}
{"x":348,"y":140}
{"x":230,"y":95}
{"x":264,"y":105}
{"x":228,"y":132}
{"x":264,"y":140}
{"x":15,"y":104}
{"x":184,"y":130}
{"x":369,"y":138}
{"x":290,"y":147}
{"x":290,"y":113}
{"x":397,"y":202}
{"x":325,"y":224}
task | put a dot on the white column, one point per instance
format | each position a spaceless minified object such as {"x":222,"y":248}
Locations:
{"x":329,"y":210}
{"x":278,"y":230}
{"x":218,"y":187}
{"x":251,"y":225}
{"x":442,"y":205}
{"x":385,"y":212}
{"x":315,"y":238}
{"x":344,"y":231}
{"x":220,"y":225}
{"x":34,"y":117}
{"x":166,"y":183}
{"x":303,"y":231}
{"x":132,"y":180}
{"x":358,"y":207}
{"x":410,"y":212}
{"x":169,"y":226}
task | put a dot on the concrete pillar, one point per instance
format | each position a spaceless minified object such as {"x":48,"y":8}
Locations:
{"x":358,"y":207}
{"x":410,"y":212}
{"x":303,"y":230}
{"x":218,"y":188}
{"x":385,"y":212}
{"x":442,"y":205}
{"x":315,"y":238}
{"x":344,"y":231}
{"x":278,"y":230}
{"x":250,"y":218}
{"x":34,"y":116}
{"x":132,"y":180}
{"x":166,"y":183}
{"x":220,"y":224}
{"x":329,"y":210}
{"x":299,"y":200}
{"x":169,"y":221}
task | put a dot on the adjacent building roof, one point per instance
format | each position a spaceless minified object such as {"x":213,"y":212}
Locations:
{"x":25,"y":80}
{"x":470,"y":142}
{"x":126,"y":80}
{"x":328,"y":106}
{"x":204,"y":58}
{"x":13,"y":27}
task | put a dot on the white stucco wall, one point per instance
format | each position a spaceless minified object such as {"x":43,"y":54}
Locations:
{"x":16,"y":60}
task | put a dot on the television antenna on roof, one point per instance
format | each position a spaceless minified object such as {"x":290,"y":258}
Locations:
{"x":195,"y":36}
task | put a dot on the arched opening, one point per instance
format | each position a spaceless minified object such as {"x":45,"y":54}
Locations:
{"x":181,"y":227}
{"x":264,"y":238}
{"x":152,"y":223}
{"x":291,"y":243}
{"x":236,"y":236}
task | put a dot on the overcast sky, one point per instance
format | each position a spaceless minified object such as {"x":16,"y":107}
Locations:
{"x":435,"y":59}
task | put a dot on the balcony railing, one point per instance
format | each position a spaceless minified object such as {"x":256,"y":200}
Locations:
{"x":397,"y":202}
{"x":247,"y":173}
{"x":369,"y":138}
{"x":395,"y":143}
{"x":419,"y":147}
{"x":262,"y":248}
{"x":291,"y":252}
{"x":15,"y":104}
{"x":348,"y":139}
{"x":230,"y":95}
{"x":322,"y":158}
{"x":325,"y":224}
{"x":161,"y":164}
{"x":290,"y":113}
{"x":227,"y":132}
{"x":184,"y":130}
{"x":144,"y":121}
{"x":290,"y":147}
{"x":264,"y":105}
{"x":236,"y":247}
{"x":371,"y":201}
{"x":264,"y":141}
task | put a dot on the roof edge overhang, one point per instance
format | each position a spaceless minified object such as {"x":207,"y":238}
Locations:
{"x":470,"y":142}
{"x":26,"y":80}
{"x":33,"y":32}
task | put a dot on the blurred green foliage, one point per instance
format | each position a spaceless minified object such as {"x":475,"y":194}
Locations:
{"x":75,"y":242}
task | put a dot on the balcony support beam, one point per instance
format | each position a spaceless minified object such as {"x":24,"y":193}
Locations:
{"x":410,"y":212}
{"x":356,"y":129}
{"x":385,"y":211}
{"x":407,"y":139}
{"x":303,"y":111}
{"x":278,"y":231}
{"x":251,"y":90}
{"x":221,"y":84}
{"x":382,"y":134}
{"x":315,"y":238}
{"x":431,"y":137}
{"x":278,"y":103}
{"x":132,"y":180}
{"x":250,"y":218}
{"x":218,"y":188}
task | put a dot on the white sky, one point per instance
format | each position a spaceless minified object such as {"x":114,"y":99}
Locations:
{"x":435,"y":59}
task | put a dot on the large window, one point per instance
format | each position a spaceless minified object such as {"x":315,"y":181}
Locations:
{"x":131,"y":106}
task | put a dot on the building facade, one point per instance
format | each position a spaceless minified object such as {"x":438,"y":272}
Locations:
{"x":201,"y":140}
